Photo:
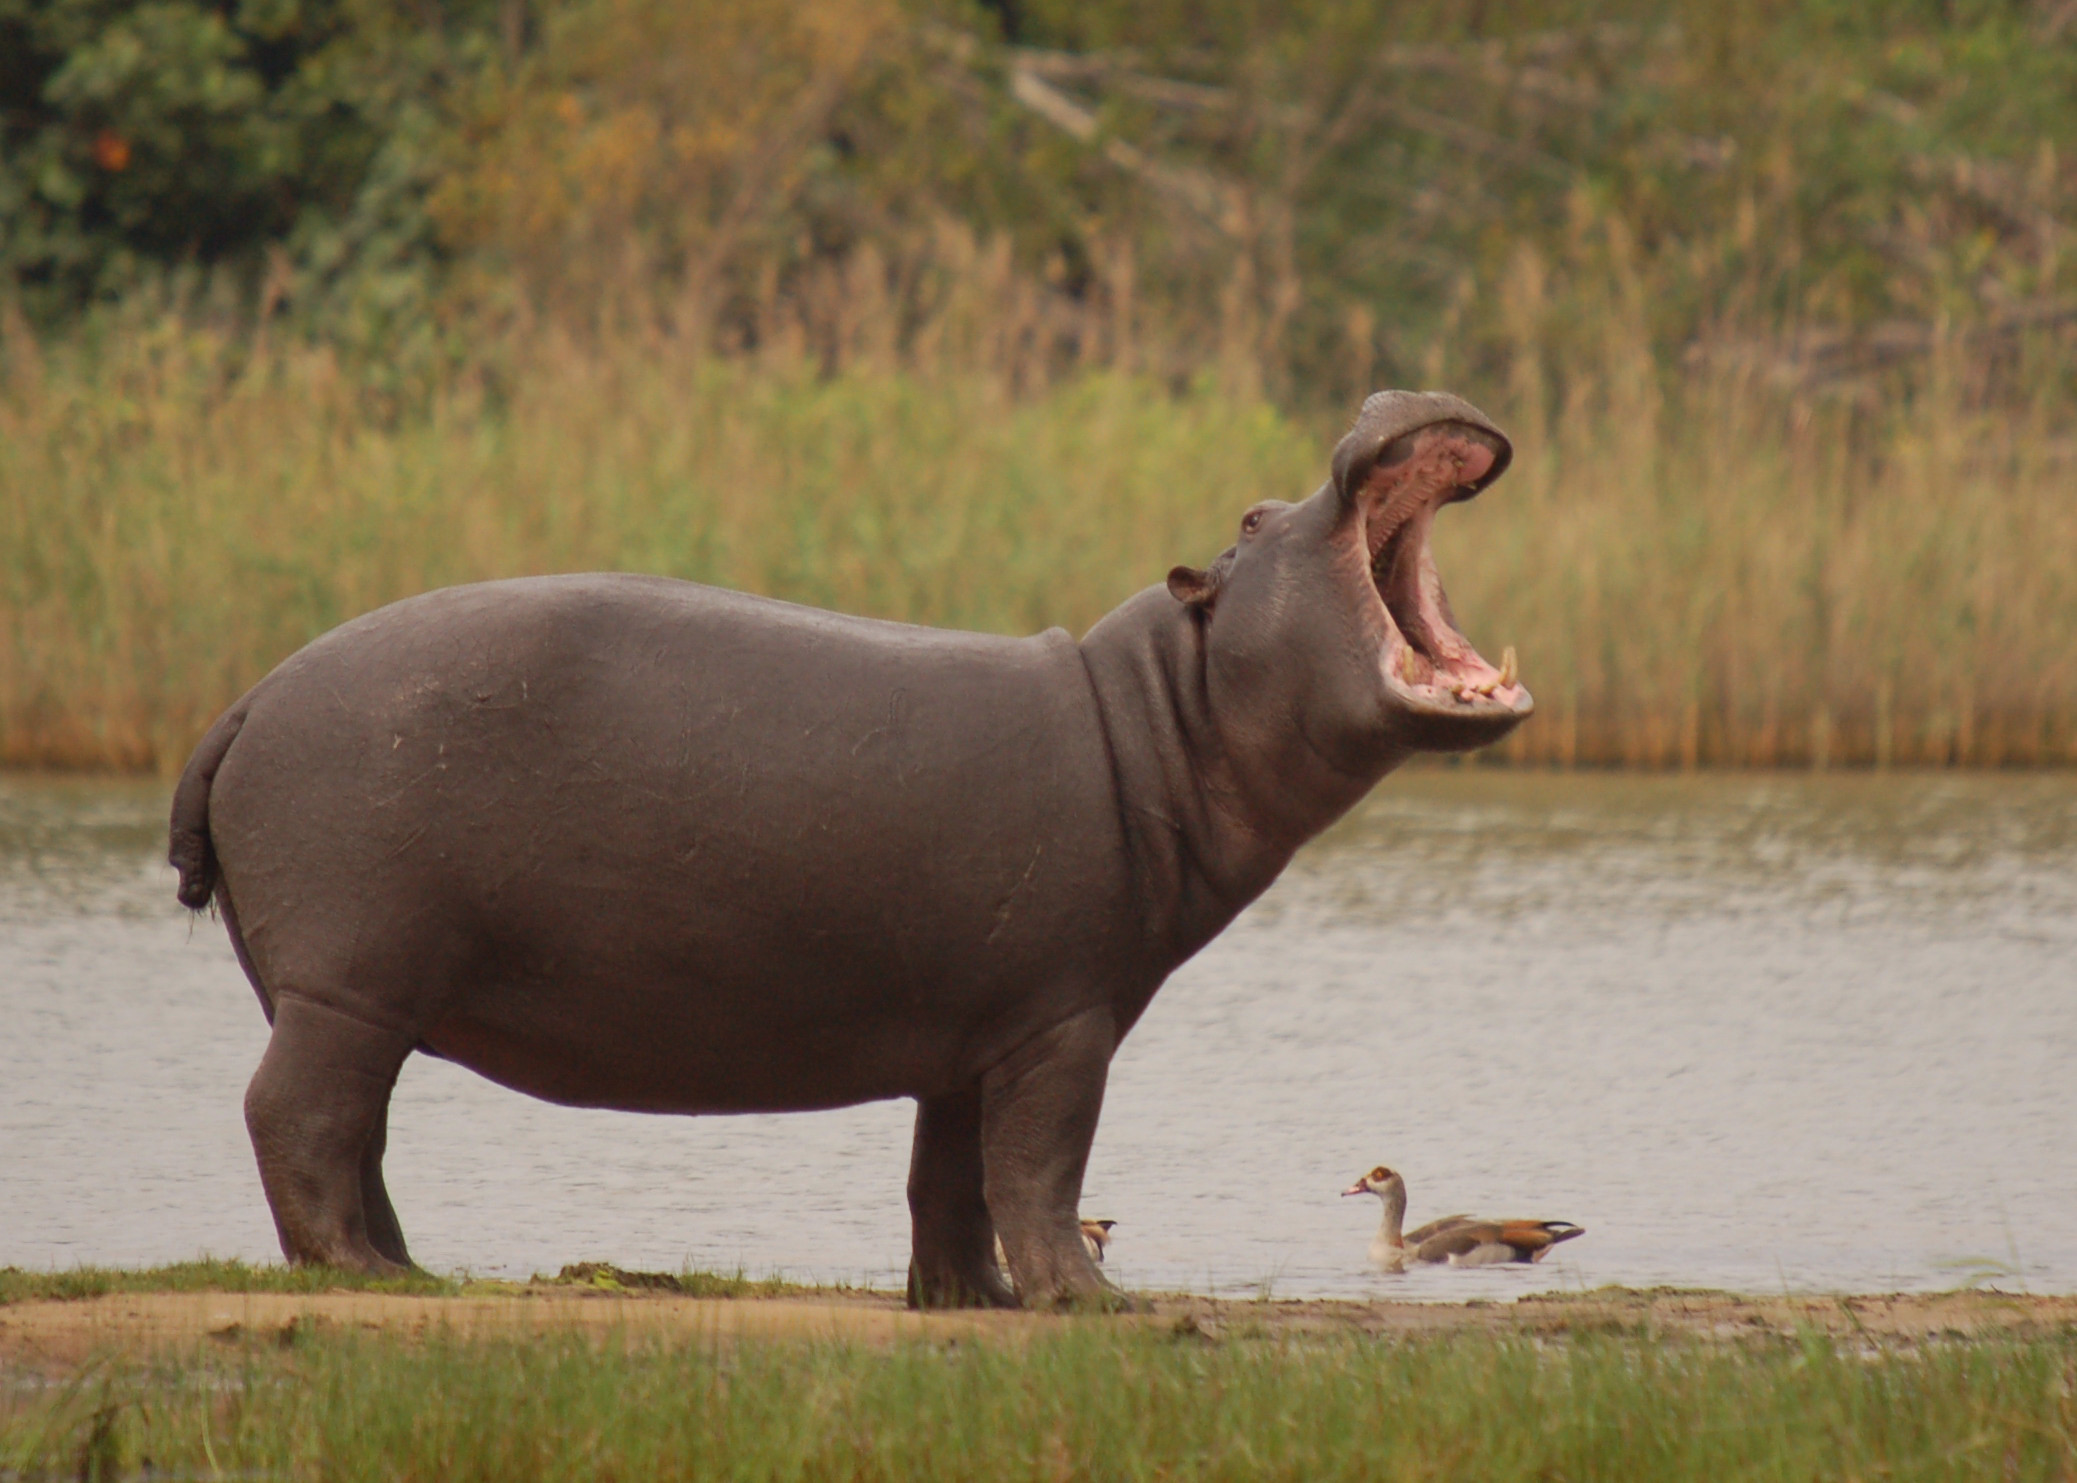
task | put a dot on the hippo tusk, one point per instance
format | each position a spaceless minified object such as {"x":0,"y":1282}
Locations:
{"x":1507,"y":666}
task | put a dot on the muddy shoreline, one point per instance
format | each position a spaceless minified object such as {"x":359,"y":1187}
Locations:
{"x":63,"y":1333}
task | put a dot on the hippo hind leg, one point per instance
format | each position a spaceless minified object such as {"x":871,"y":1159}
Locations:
{"x":317,"y":1110}
{"x":953,"y":1260}
{"x":385,"y":1233}
{"x":1038,"y":1117}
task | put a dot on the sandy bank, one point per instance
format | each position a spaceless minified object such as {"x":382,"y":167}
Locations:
{"x":67,"y":1332}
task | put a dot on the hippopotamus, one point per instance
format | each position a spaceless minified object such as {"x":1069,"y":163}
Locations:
{"x":628,"y":842}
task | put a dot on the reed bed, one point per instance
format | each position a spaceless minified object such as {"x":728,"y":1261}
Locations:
{"x":1696,"y":571}
{"x":1092,"y":1401}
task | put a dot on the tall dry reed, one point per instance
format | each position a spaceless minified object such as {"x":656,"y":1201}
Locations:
{"x":1700,"y":574}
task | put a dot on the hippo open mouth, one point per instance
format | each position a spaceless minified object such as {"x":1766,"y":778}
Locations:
{"x":1429,"y":667}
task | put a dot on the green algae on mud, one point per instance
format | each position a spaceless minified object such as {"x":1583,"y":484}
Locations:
{"x":1077,"y":1398}
{"x":207,"y":1274}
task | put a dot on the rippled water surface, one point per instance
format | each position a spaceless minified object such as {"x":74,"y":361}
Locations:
{"x":1752,"y":1032}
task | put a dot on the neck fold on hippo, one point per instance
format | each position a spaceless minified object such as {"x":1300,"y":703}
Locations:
{"x":1208,"y":829}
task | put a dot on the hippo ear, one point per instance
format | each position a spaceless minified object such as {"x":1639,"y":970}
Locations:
{"x":1193,"y":588}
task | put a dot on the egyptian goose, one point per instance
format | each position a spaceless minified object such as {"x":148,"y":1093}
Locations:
{"x":1096,"y":1235}
{"x":1459,"y":1240}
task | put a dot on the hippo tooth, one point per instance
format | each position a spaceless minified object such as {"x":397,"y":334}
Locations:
{"x":1507,"y":665}
{"x":1407,"y":671}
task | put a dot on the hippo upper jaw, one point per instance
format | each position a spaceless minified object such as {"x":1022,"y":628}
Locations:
{"x":1441,"y":693}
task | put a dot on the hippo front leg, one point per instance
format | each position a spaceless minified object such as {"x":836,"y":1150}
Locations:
{"x":953,"y":1260}
{"x":1038,"y":1118}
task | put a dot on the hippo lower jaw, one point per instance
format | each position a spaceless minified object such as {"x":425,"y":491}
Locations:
{"x":1447,"y":696}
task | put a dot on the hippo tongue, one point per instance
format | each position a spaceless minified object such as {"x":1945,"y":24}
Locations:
{"x":1426,"y":652}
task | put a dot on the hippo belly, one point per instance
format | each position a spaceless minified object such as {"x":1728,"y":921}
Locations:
{"x":625,"y":842}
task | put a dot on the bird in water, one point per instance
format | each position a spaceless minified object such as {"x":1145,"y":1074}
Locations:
{"x":1458,"y":1240}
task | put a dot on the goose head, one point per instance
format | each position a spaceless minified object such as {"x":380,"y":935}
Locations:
{"x":1387,"y":1248}
{"x":1382,"y":1182}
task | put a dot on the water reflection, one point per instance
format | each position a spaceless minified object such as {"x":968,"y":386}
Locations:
{"x":1752,"y":1031}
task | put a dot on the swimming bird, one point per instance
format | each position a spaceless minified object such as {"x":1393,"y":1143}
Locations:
{"x":1459,"y":1240}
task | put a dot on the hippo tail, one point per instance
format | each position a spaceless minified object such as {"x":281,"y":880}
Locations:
{"x":188,"y":845}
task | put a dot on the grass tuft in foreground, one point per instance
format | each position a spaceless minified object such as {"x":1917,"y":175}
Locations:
{"x":1087,"y":1400}
{"x":690,"y":1283}
{"x":22,"y":1285}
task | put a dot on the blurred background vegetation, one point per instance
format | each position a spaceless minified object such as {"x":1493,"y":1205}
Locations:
{"x":986,"y":315}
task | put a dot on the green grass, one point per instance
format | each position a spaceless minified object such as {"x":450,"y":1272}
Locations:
{"x":22,"y":1285}
{"x":690,"y":1283}
{"x":1091,"y":1401}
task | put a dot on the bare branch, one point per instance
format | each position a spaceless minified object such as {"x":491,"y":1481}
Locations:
{"x":1215,"y":200}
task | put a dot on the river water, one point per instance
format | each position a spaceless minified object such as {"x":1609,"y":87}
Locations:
{"x":1756,"y":1032}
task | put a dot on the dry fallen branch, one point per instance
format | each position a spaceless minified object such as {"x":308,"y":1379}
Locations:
{"x":1215,"y":200}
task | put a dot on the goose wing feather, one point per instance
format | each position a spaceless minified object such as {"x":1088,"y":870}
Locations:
{"x":1533,"y":1238}
{"x":1528,"y":1240}
{"x":1419,"y":1234}
{"x":1456,"y":1240}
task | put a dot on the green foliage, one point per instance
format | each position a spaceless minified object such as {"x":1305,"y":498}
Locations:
{"x":1311,"y":197}
{"x":142,"y":136}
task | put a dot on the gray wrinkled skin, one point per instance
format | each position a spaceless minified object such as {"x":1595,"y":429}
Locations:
{"x":619,"y":841}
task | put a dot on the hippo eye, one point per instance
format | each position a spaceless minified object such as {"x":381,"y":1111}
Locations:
{"x":1250,"y":522}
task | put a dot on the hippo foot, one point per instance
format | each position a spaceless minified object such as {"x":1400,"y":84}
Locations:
{"x":1064,"y":1281}
{"x":1055,"y":1275}
{"x":940,"y":1287}
{"x":364,"y":1264}
{"x":1104,"y":1300}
